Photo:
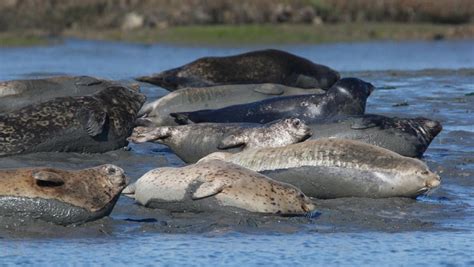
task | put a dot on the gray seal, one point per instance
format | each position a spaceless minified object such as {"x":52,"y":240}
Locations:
{"x":406,"y":136}
{"x":16,"y":94}
{"x":264,"y":66}
{"x":190,"y":99}
{"x":96,"y":123}
{"x":334,"y":168}
{"x":348,"y":96}
{"x":195,"y":141}
{"x":217,"y":186}
{"x":60,"y":196}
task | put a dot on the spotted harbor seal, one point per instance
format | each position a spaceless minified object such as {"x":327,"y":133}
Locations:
{"x":96,"y":123}
{"x":194,"y":141}
{"x":333,"y":168}
{"x":348,"y":96}
{"x":264,"y":66}
{"x":60,"y":196}
{"x":407,"y":137}
{"x":190,"y":99}
{"x":17,"y":94}
{"x":217,"y":186}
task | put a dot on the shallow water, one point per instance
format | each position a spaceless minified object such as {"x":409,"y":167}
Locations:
{"x":431,"y":79}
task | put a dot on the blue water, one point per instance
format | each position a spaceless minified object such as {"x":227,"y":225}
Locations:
{"x":438,"y":230}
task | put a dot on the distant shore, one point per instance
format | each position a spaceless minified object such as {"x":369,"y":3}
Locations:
{"x":253,"y":34}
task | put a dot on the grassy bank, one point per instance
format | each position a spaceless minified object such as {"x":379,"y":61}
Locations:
{"x":263,"y":34}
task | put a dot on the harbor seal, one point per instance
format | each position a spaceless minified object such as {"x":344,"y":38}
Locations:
{"x":96,"y":123}
{"x":405,"y":136}
{"x":263,"y":66}
{"x":194,"y":141}
{"x":16,"y":94}
{"x":334,"y":168}
{"x":348,"y":96}
{"x":190,"y":99}
{"x":217,"y":186}
{"x":60,"y":196}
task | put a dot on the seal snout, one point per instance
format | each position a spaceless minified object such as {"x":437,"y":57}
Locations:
{"x":115,"y":174}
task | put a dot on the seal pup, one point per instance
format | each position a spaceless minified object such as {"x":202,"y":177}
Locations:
{"x":217,"y":186}
{"x":96,"y":123}
{"x":334,"y":168}
{"x":194,"y":141}
{"x":190,"y":99}
{"x":263,"y":66}
{"x":408,"y":137}
{"x":60,"y":196}
{"x":16,"y":94}
{"x":348,"y":96}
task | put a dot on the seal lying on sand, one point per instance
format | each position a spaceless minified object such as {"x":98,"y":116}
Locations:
{"x":17,"y":94}
{"x":265,"y":66}
{"x":96,"y":123}
{"x":217,"y":186}
{"x":194,"y":141}
{"x":60,"y":196}
{"x":333,"y":168}
{"x":347,"y":97}
{"x":407,"y":137}
{"x":190,"y":99}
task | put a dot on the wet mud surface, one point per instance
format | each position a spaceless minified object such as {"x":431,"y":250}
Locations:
{"x":442,"y":220}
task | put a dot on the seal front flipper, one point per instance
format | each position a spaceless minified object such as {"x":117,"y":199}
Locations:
{"x":231,"y":141}
{"x":92,"y":121}
{"x":362,"y":123}
{"x":86,"y":81}
{"x":47,"y":178}
{"x":269,"y":89}
{"x":208,"y":189}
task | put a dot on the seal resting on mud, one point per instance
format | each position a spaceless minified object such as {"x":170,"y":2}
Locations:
{"x":333,"y":168}
{"x":16,"y":94}
{"x":194,"y":141}
{"x":217,"y":186}
{"x":190,"y":99}
{"x":60,"y":196}
{"x":96,"y":123}
{"x":408,"y":137}
{"x":346,"y":97}
{"x":264,"y":66}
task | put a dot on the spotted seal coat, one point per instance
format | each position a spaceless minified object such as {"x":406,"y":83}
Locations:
{"x":96,"y":123}
{"x":194,"y":141}
{"x":60,"y":196}
{"x":406,"y":136}
{"x":333,"y":168}
{"x":157,"y":112}
{"x":217,"y":186}
{"x":263,"y":66}
{"x":346,"y":97}
{"x":16,"y":94}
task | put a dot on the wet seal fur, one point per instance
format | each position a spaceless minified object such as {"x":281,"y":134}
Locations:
{"x":408,"y":137}
{"x":60,"y":196}
{"x":194,"y":141}
{"x":334,"y":168}
{"x":263,"y":66}
{"x":190,"y":99}
{"x":348,"y":96}
{"x":16,"y":94}
{"x":217,"y":186}
{"x":96,"y":123}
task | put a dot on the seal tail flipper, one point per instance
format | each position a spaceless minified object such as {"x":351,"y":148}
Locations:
{"x":129,"y":191}
{"x":147,"y":134}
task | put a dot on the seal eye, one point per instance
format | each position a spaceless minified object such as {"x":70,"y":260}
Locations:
{"x":111,"y":171}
